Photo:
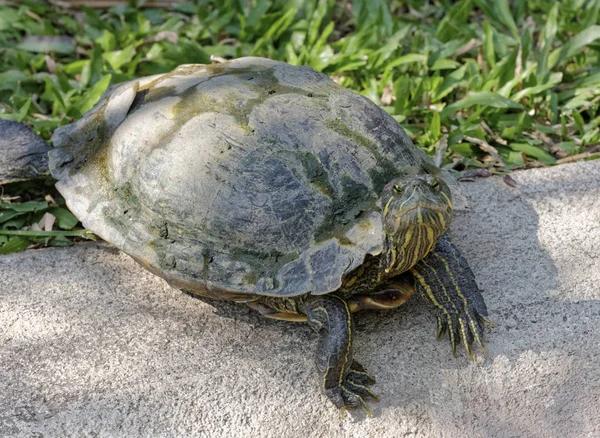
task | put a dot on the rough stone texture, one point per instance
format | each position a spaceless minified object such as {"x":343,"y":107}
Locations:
{"x":23,"y":154}
{"x":93,"y":345}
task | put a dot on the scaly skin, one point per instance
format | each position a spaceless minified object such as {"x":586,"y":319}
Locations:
{"x":444,"y":278}
{"x":415,"y":214}
{"x":416,"y":250}
{"x":345,"y":381}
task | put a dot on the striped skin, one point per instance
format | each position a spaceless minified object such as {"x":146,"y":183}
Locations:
{"x":345,"y":381}
{"x":444,"y":278}
{"x":415,"y":219}
{"x":393,"y":294}
{"x":415,"y":215}
{"x":363,"y":280}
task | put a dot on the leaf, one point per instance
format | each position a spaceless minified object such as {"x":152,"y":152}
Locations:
{"x":17,"y":223}
{"x":504,"y":14}
{"x":8,"y":17}
{"x":256,"y":12}
{"x":90,"y":98}
{"x":487,"y":98}
{"x":61,"y":241}
{"x":381,"y":55}
{"x":592,"y":136}
{"x":50,"y":87}
{"x":580,"y":40}
{"x":451,"y":81}
{"x":505,"y":69}
{"x":373,"y":15}
{"x":275,"y":30}
{"x":464,"y":149}
{"x":453,"y":22}
{"x":30,"y":206}
{"x":29,"y":233}
{"x":93,"y":19}
{"x":407,"y":59}
{"x":445,"y":64}
{"x":96,"y":66}
{"x":75,"y":67}
{"x":526,"y":44}
{"x":402,"y":92}
{"x":119,"y":58}
{"x":546,"y":38}
{"x":578,"y":122}
{"x":583,"y":96}
{"x":324,"y":35}
{"x":508,"y":180}
{"x":515,"y":81}
{"x":19,"y":116}
{"x":46,"y":44}
{"x":9,"y":79}
{"x":435,"y":125}
{"x":553,"y":80}
{"x":107,"y":41}
{"x":316,"y":20}
{"x":512,"y":157}
{"x":65,"y":219}
{"x":144,"y":25}
{"x":185,"y":52}
{"x":533,"y":151}
{"x":15,"y":244}
{"x":550,"y":28}
{"x":592,"y":81}
{"x":7,"y":215}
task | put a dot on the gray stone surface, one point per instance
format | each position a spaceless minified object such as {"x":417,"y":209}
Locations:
{"x":92,"y":345}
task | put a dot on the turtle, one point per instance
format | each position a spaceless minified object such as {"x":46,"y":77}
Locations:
{"x":269,"y":184}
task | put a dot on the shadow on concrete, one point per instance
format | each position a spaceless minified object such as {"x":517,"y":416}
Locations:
{"x":92,"y":340}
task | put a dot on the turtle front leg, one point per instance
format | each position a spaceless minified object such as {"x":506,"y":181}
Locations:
{"x":445,"y":279}
{"x":345,"y":381}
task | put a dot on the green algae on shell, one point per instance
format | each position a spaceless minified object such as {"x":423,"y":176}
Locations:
{"x":247,"y":177}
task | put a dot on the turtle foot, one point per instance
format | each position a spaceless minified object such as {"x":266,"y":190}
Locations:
{"x":444,"y":278}
{"x":353,"y":389}
{"x":466,"y":327}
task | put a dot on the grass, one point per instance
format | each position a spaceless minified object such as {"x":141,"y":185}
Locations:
{"x":496,"y":85}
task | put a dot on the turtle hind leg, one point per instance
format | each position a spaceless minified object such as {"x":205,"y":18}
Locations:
{"x":444,"y":278}
{"x":392,"y":294}
{"x":345,"y":381}
{"x":270,"y":312}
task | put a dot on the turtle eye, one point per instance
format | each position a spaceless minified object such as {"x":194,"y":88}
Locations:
{"x":435,"y":184}
{"x":397,"y":188}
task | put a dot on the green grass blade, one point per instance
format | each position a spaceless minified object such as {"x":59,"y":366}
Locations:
{"x":90,"y":98}
{"x":486,"y":98}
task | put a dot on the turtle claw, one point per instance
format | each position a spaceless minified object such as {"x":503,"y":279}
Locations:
{"x":444,"y":278}
{"x":464,"y":326}
{"x":358,"y":375}
{"x":353,"y":390}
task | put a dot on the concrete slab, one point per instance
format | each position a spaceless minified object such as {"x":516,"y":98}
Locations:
{"x":92,"y":345}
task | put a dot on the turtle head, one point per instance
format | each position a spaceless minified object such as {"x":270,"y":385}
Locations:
{"x":416,"y":212}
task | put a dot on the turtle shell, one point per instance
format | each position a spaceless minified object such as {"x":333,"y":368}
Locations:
{"x":250,"y":177}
